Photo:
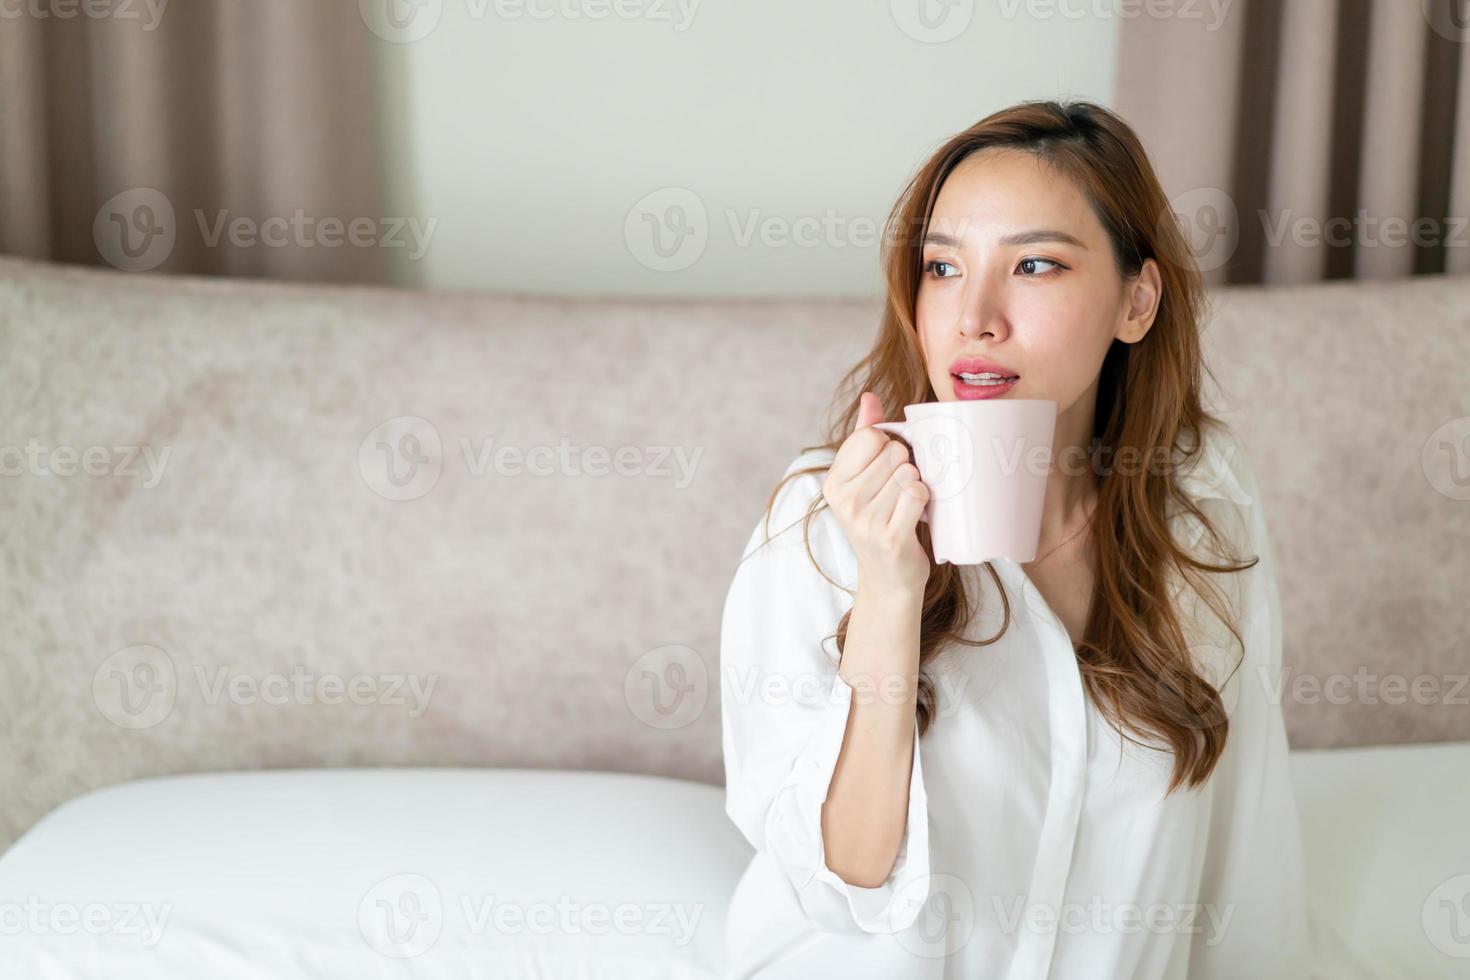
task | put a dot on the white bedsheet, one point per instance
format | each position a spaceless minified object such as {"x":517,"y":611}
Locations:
{"x":450,"y":873}
{"x":1387,"y":838}
{"x":366,"y":873}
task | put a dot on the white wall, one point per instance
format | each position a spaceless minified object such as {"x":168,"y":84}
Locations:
{"x":532,"y":133}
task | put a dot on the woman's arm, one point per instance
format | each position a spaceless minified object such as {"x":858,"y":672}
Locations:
{"x":866,"y":809}
{"x":786,"y":716}
{"x":1253,"y":879}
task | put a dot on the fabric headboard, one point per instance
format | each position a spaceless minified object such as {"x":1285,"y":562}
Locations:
{"x":209,"y":563}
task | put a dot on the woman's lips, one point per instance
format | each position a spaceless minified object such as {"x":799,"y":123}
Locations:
{"x":968,"y":392}
{"x":979,"y":365}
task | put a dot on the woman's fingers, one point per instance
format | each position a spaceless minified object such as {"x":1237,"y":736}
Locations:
{"x":863,"y":444}
{"x":911,"y":498}
{"x":868,"y":484}
{"x":876,"y":496}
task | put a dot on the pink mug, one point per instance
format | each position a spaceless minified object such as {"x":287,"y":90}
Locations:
{"x":985,"y":463}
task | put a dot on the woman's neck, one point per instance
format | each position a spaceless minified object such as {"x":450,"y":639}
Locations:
{"x":1072,"y":485}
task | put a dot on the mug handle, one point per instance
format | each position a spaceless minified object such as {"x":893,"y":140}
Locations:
{"x":900,"y":429}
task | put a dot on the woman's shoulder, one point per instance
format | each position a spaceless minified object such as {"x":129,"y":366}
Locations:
{"x":800,"y":483}
{"x":812,"y":464}
{"x":1217,"y":469}
{"x":785,"y":528}
{"x":1221,"y":483}
{"x":1217,"y":477}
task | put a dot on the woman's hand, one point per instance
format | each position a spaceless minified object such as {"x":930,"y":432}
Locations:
{"x":877,"y":497}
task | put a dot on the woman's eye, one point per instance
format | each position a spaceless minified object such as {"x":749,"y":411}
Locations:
{"x":933,"y":266}
{"x":1028,"y":266}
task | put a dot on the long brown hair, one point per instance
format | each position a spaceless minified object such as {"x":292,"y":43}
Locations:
{"x":1134,"y":656}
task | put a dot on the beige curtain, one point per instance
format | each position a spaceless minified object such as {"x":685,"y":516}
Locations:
{"x":210,"y":136}
{"x":1308,"y":139}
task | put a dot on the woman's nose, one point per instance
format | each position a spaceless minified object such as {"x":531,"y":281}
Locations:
{"x":982,"y":315}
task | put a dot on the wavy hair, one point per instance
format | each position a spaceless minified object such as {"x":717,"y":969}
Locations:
{"x":1134,"y":655}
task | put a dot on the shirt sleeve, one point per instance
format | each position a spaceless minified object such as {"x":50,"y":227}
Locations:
{"x":784,"y":714}
{"x":1253,"y":869}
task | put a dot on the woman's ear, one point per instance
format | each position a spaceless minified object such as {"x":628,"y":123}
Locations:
{"x":1141,"y":294}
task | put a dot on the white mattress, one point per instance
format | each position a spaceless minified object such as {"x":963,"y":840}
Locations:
{"x":296,"y":874}
{"x":1387,"y":836}
{"x":410,"y":873}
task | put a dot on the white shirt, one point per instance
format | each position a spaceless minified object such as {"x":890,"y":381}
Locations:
{"x":1038,"y":843}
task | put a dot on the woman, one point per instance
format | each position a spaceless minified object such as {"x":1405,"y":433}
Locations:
{"x":1075,"y":767}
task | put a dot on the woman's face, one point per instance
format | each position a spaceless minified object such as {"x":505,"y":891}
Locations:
{"x":1019,"y":280}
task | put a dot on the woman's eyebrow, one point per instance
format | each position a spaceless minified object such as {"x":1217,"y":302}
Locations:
{"x":1042,"y":235}
{"x":1019,"y":238}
